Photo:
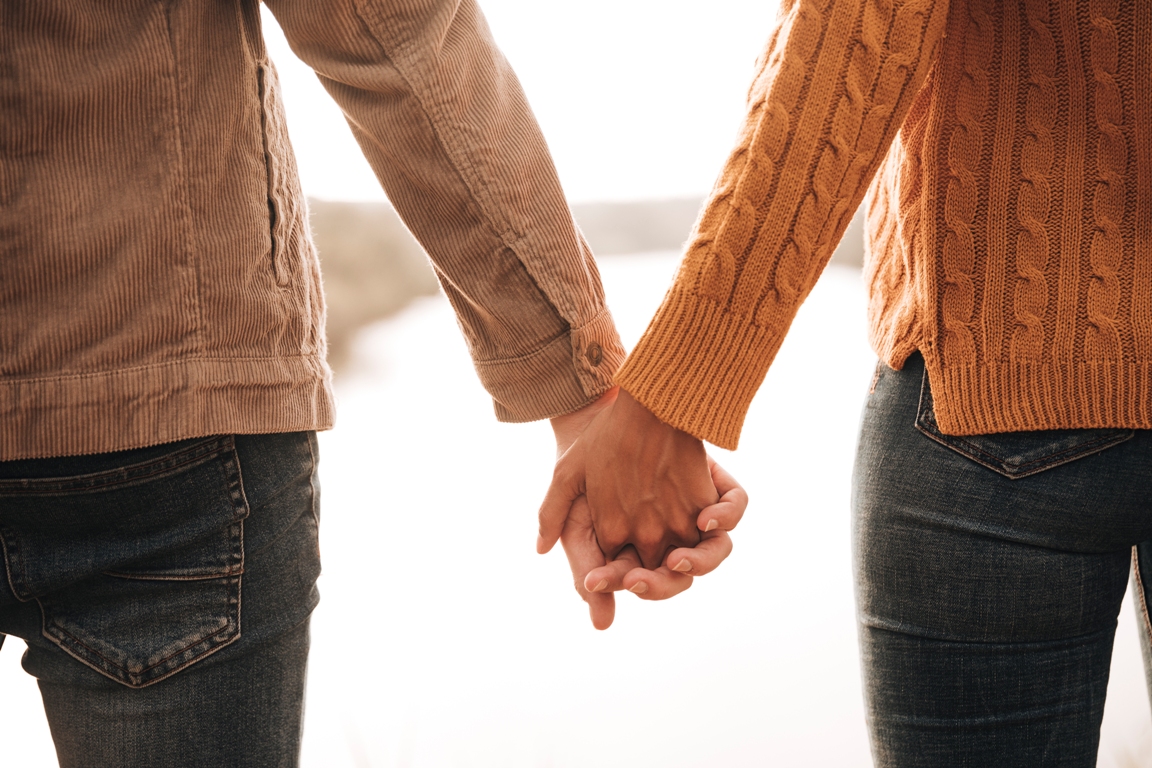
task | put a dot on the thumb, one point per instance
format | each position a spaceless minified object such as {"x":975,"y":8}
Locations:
{"x":567,"y":486}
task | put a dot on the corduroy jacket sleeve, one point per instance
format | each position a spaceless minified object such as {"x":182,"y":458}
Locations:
{"x":445,"y":125}
{"x":834,"y":86}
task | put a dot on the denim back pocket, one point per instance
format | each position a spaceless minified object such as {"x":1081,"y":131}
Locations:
{"x":137,"y":568}
{"x":1018,"y":454}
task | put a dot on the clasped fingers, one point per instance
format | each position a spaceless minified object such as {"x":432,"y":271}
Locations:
{"x":625,"y":572}
{"x":651,"y":534}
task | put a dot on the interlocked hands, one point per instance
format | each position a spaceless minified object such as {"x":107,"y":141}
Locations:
{"x":637,"y":504}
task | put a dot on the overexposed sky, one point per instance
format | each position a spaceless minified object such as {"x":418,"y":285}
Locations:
{"x":638,"y":98}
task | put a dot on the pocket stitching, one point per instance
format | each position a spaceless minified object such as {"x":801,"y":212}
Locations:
{"x":1084,"y":449}
{"x":193,"y":454}
{"x":63,"y":638}
{"x":74,"y":646}
{"x":145,"y":576}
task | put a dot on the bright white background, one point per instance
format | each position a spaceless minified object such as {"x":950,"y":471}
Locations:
{"x":442,"y":639}
{"x":637,"y":98}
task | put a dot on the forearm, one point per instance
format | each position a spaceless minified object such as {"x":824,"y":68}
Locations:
{"x":445,"y":125}
{"x":833,"y":89}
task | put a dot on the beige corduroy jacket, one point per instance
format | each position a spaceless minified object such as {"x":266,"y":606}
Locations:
{"x":157,"y":276}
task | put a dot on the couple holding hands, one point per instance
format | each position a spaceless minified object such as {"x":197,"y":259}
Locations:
{"x":162,"y":369}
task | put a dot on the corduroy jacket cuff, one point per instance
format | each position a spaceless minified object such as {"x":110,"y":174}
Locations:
{"x":569,"y":372}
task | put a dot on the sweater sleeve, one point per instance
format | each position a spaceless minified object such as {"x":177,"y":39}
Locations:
{"x":445,"y":125}
{"x":833,"y":87}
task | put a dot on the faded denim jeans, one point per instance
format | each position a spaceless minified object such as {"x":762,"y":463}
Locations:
{"x":989,"y":576}
{"x":164,"y":594}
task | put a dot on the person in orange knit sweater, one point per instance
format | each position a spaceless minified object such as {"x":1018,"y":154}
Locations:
{"x":1001,"y":490}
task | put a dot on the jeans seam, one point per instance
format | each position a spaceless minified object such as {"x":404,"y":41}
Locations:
{"x":312,"y":483}
{"x":162,"y":465}
{"x":8,"y":569}
{"x":239,"y":497}
{"x":1140,"y":593}
{"x":230,"y":571}
{"x":953,"y":439}
{"x":875,"y":377}
{"x":924,"y":633}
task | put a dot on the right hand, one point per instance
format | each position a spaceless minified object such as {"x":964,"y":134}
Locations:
{"x":645,"y":482}
{"x":675,"y":574}
{"x":596,"y":579}
{"x":567,"y":514}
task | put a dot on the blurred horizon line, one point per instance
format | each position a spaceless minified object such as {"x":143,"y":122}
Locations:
{"x":373,"y":267}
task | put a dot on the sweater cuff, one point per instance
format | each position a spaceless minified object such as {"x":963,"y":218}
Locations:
{"x":698,"y":366}
{"x":563,"y":376}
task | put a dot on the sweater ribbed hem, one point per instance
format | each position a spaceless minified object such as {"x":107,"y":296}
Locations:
{"x":119,"y":410}
{"x":1025,"y":396}
{"x":698,"y":366}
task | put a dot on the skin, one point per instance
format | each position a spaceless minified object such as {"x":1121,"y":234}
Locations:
{"x":636,"y":503}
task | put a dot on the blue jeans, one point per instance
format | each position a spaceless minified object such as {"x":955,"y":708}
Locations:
{"x":989,"y":575}
{"x":164,"y":594}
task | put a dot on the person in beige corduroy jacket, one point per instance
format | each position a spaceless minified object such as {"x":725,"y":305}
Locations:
{"x":161,"y":315}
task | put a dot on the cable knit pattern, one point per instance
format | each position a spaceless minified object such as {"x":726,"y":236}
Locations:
{"x":753,"y":162}
{"x":1102,"y":341}
{"x":1034,"y":201}
{"x":1010,"y":239}
{"x":963,"y":195}
{"x":873,"y":82}
{"x":822,"y":113}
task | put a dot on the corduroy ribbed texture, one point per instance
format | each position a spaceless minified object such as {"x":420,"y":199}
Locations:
{"x":157,"y":276}
{"x":1009,"y":149}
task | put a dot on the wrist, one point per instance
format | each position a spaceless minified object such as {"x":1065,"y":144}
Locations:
{"x":637,"y":414}
{"x":567,"y":427}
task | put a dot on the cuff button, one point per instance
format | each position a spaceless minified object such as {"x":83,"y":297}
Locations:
{"x":594,"y":354}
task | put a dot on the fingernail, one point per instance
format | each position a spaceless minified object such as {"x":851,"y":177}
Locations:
{"x":683,"y":566}
{"x":713,"y":524}
{"x":603,"y":583}
{"x":539,"y":543}
{"x":639,"y":588}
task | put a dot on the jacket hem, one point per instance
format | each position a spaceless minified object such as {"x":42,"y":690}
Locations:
{"x":137,"y":407}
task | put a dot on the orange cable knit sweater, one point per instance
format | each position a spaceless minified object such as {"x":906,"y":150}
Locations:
{"x":1009,"y":149}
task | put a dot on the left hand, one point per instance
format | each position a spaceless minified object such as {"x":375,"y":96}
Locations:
{"x":577,"y":536}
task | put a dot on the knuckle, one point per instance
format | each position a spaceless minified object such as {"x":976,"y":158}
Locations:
{"x":686,"y":533}
{"x":610,"y":540}
{"x":562,"y":474}
{"x":648,"y":538}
